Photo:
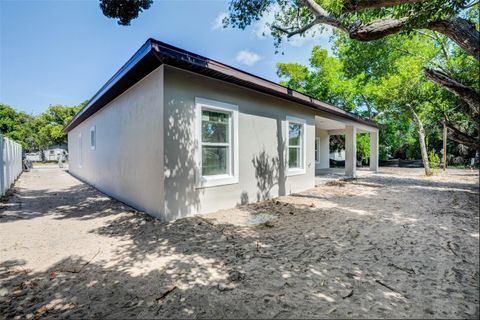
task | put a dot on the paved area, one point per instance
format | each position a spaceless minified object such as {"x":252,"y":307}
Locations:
{"x":389,"y":245}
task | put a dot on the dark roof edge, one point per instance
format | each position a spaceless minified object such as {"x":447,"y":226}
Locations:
{"x":154,"y":53}
{"x":144,"y":50}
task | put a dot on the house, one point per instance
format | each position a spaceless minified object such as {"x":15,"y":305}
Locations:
{"x":50,"y":154}
{"x":173,"y":133}
{"x":54,"y":151}
{"x":338,"y":155}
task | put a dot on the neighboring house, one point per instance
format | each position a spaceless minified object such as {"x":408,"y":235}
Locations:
{"x":173,"y":133}
{"x":50,"y":154}
{"x":33,"y":156}
{"x":338,"y":155}
{"x":54,"y":151}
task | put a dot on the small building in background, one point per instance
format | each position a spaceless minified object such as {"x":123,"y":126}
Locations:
{"x":52,"y":153}
{"x":338,"y":155}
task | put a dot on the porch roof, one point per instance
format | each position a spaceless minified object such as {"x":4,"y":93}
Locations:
{"x":155,"y":53}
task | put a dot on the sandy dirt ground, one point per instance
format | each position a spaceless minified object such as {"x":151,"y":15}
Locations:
{"x":394,"y":244}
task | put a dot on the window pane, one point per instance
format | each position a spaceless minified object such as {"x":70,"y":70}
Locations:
{"x":294,"y":134}
{"x":215,"y":126}
{"x":214,"y":160}
{"x":294,"y":157}
{"x":92,"y":138}
{"x":316,"y":150}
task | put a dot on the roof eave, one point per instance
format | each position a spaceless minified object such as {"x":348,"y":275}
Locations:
{"x":154,"y":53}
{"x":124,"y":78}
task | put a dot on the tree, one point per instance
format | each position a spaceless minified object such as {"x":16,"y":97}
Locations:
{"x":37,"y":133}
{"x":323,"y":79}
{"x":17,"y":126}
{"x":368,"y":20}
{"x":362,"y":20}
{"x":50,"y":124}
{"x":124,"y":10}
{"x":373,"y":80}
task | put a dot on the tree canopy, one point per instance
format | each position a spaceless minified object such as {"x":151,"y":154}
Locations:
{"x":384,"y":81}
{"x":37,"y":132}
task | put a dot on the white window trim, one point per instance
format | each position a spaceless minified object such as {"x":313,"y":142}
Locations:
{"x":222,"y":179}
{"x":93,"y":129}
{"x":303,"y":122}
{"x":317,"y":141}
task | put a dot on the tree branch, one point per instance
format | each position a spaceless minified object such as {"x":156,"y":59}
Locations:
{"x":322,"y":16}
{"x":442,"y":46}
{"x":290,"y":33}
{"x":362,"y":32}
{"x":461,"y":137}
{"x":461,"y":31}
{"x":377,"y":29}
{"x":466,"y":94}
{"x":358,"y":5}
{"x":474,"y":3}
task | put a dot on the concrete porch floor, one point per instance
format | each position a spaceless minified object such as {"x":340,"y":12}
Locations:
{"x":323,"y":176}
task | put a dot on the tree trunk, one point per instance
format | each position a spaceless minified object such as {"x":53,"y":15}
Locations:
{"x":377,"y":29}
{"x":461,"y":137}
{"x":423,"y":146}
{"x":461,"y":31}
{"x":466,"y":94}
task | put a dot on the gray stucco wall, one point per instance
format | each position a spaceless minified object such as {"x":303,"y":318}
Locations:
{"x":127,"y":162}
{"x":262,"y":138}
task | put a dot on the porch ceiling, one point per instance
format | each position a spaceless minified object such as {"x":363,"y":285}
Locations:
{"x":328,"y":124}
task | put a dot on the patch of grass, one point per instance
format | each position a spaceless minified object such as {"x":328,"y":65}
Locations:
{"x":267,"y":224}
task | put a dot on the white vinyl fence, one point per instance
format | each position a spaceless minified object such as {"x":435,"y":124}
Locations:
{"x":10,"y":163}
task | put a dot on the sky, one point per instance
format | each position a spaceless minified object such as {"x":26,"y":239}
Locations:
{"x":62,"y":52}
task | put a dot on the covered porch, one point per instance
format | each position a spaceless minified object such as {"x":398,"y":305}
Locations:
{"x":327,"y":126}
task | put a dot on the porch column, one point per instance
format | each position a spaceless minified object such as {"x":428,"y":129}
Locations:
{"x":350,"y":151}
{"x":324,"y":149}
{"x":374,"y":151}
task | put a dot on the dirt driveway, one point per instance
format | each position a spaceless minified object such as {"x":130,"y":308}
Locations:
{"x":394,"y":244}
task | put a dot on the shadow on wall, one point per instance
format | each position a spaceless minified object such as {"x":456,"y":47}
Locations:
{"x":266,"y":173}
{"x":281,"y":159}
{"x":269,"y":171}
{"x":181,"y":195}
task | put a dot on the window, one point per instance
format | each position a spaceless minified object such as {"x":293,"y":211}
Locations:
{"x":217,"y":127}
{"x":93,"y":138}
{"x":80,"y":151}
{"x":317,"y":149}
{"x":296,"y":146}
{"x":215,"y":142}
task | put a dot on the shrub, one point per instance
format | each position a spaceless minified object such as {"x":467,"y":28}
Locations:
{"x":434,"y":159}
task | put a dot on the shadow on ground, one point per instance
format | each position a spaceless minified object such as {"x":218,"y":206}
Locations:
{"x":382,"y":246}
